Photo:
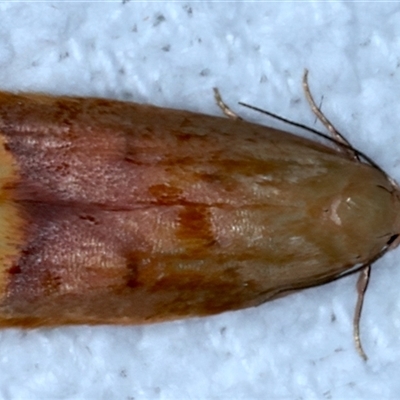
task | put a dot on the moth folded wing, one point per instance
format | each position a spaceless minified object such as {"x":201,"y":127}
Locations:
{"x":137,"y":214}
{"x":13,"y":227}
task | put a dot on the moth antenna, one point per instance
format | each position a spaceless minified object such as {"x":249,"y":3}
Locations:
{"x":320,"y":134}
{"x":339,"y":138}
{"x":362,"y":284}
{"x":363,"y":278}
{"x":336,"y":137}
{"x":349,"y":150}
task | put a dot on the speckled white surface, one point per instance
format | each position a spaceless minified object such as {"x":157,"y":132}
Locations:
{"x":172,"y":54}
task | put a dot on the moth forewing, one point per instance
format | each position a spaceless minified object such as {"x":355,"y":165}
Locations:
{"x":120,"y":213}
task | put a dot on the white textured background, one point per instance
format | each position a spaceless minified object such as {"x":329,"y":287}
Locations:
{"x":172,"y":54}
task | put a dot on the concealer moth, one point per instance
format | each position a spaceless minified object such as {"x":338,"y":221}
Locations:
{"x":121,"y":213}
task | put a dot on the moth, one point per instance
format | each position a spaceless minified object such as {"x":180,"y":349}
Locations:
{"x":120,"y":213}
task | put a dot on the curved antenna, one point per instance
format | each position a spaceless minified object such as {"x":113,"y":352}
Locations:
{"x":315,"y":132}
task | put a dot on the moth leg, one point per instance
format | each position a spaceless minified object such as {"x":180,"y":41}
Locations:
{"x":362,"y":284}
{"x":325,"y":121}
{"x":225,"y":109}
